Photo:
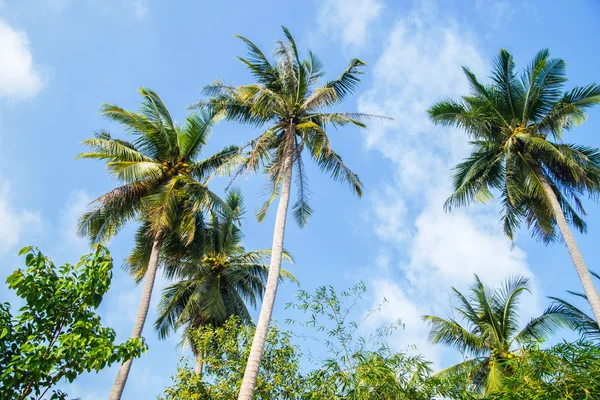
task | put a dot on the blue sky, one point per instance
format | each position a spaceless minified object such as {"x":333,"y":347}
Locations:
{"x":60,"y":59}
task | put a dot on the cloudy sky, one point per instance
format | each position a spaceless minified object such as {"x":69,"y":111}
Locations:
{"x":60,"y":59}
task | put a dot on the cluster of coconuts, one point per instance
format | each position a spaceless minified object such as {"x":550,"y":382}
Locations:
{"x":501,"y":354}
{"x":215,"y":261}
{"x":519,"y":130}
{"x":179,"y":168}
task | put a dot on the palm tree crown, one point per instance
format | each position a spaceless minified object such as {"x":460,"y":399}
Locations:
{"x":288,"y":98}
{"x":164,"y":185}
{"x":216,"y":280}
{"x":491,"y":333}
{"x":516,"y":125}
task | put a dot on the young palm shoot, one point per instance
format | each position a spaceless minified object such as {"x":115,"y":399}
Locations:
{"x":163,"y":187}
{"x":287,"y":99}
{"x":516,"y":125}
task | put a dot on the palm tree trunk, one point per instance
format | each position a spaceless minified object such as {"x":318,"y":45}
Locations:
{"x":117,"y":389}
{"x":582,"y":271}
{"x":264,"y":319}
{"x":199,"y":363}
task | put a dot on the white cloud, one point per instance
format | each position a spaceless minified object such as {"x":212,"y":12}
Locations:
{"x":427,"y":250}
{"x":389,"y":212}
{"x":14,"y":222}
{"x":19,"y":76}
{"x":348,"y":20}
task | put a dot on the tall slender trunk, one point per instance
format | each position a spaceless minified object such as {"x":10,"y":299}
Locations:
{"x":582,"y":271}
{"x":264,"y":319}
{"x":199,"y":363}
{"x":117,"y":389}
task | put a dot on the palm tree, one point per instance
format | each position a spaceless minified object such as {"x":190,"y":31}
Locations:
{"x":286,"y":96}
{"x":215,"y":280}
{"x":491,"y":332}
{"x":164,"y":187}
{"x":516,"y":126}
{"x":574,"y":317}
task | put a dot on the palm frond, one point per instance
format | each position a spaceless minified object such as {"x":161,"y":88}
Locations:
{"x":348,"y":81}
{"x":301,"y":208}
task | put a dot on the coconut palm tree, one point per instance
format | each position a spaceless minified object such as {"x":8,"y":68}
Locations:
{"x":163,"y":187}
{"x":287,"y":98}
{"x":516,"y":126}
{"x":489,"y":334}
{"x":215,"y":280}
{"x":575,"y":318}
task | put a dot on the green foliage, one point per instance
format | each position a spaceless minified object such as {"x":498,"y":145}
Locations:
{"x":516,"y":126}
{"x":491,"y":335}
{"x":226,"y":350}
{"x":288,"y":98}
{"x":567,"y":371}
{"x":356,"y":368}
{"x":57,"y":333}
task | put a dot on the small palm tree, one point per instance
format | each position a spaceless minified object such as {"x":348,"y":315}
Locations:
{"x":516,"y":126}
{"x":215,"y":280}
{"x":574,"y":317}
{"x":286,"y":96}
{"x":164,"y":187}
{"x":491,"y":333}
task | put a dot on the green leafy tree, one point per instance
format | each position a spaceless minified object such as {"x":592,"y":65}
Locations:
{"x":567,"y":371}
{"x":227,"y":348}
{"x":490,"y":335}
{"x":287,"y":98}
{"x":516,"y":126}
{"x":57,"y":334}
{"x":214,"y":281}
{"x":164,"y":189}
{"x":574,"y":317}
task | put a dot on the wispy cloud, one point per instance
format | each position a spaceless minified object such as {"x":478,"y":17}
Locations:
{"x":349,"y":20}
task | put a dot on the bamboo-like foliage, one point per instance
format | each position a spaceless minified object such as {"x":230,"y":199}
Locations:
{"x":287,"y":97}
{"x":489,"y":335}
{"x":516,"y":124}
{"x":215,"y":280}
